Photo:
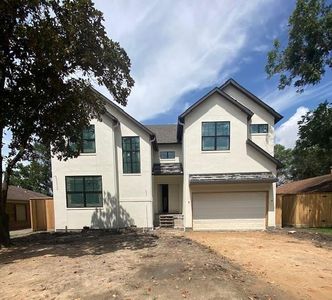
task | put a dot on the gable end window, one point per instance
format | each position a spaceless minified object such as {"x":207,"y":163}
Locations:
{"x":88,"y":140}
{"x":215,"y":136}
{"x":131,"y":155}
{"x":167,"y":154}
{"x":84,"y":191}
{"x":259,"y":128}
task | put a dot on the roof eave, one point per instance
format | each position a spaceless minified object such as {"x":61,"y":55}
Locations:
{"x":264,"y":153}
{"x":152,"y":136}
{"x":276,"y":115}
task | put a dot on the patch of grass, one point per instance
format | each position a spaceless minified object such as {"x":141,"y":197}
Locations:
{"x":322,"y":230}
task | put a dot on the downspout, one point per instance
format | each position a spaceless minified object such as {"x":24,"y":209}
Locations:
{"x":117,"y":195}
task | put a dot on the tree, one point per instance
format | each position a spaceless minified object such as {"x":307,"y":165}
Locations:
{"x":313,"y":150}
{"x":36,"y":175}
{"x":285,"y":156}
{"x":307,"y":55}
{"x":50,"y":53}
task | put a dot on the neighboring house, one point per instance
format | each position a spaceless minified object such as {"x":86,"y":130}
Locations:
{"x":305,"y":203}
{"x":28,"y":209}
{"x":213,"y":170}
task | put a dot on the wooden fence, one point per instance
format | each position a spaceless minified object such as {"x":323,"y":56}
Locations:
{"x":42,"y":214}
{"x":304,"y":210}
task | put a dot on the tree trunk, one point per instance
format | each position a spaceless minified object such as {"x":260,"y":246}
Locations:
{"x":4,"y":228}
{"x":4,"y":218}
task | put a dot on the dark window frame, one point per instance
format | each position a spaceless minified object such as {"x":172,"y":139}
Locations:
{"x":216,"y":136}
{"x":84,"y":192}
{"x":131,"y":155}
{"x":167,"y":154}
{"x":259,"y":128}
{"x":89,"y":140}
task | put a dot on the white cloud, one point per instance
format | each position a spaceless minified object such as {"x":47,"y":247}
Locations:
{"x":178,"y":46}
{"x":262,"y":48}
{"x":281,"y":100}
{"x":287,"y":133}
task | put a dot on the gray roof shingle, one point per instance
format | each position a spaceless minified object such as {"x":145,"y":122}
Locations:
{"x":252,"y":177}
{"x":166,"y":134}
{"x":167,"y":169}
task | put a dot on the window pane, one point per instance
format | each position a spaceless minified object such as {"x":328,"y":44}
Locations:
{"x":93,"y":199}
{"x":263,"y":128}
{"x":135,"y":157}
{"x":170,"y":154}
{"x":136,"y":168}
{"x":208,"y":129}
{"x":208,"y":143}
{"x":163,"y":155}
{"x":126,"y":144}
{"x":223,"y":143}
{"x":74,"y":184}
{"x":126,"y":167}
{"x":73,"y":146}
{"x":254,"y":128}
{"x":131,"y":154}
{"x":222,"y":128}
{"x":93,"y":184}
{"x":126,"y":157}
{"x":88,"y":146}
{"x":135,"y":143}
{"x":75,"y":199}
{"x":89,"y":132}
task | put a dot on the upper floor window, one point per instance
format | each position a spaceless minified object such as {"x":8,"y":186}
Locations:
{"x":131,"y":154}
{"x":88,"y":140}
{"x":84,"y":191}
{"x":167,"y":154}
{"x":215,"y":136}
{"x":259,"y":128}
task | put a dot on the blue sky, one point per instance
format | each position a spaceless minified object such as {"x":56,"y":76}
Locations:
{"x":181,"y":49}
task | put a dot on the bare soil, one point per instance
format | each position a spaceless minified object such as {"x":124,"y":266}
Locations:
{"x":300,"y":264}
{"x":129,"y":265}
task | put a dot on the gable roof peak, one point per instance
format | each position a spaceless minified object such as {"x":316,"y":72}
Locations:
{"x":222,"y":93}
{"x":233,"y":82}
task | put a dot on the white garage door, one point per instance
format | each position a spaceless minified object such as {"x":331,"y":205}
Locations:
{"x":229,"y":211}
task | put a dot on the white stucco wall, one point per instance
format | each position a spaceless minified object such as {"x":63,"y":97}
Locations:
{"x":240,"y":158}
{"x":261,"y":116}
{"x":127,"y":197}
{"x":177,"y":148}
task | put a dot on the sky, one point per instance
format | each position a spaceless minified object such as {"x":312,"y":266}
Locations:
{"x":181,"y":49}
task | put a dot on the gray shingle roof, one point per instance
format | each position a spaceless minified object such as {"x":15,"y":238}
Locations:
{"x":253,"y":177}
{"x":167,"y":169}
{"x":166,"y":134}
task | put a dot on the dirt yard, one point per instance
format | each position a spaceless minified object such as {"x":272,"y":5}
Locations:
{"x":300,"y":264}
{"x":131,"y":265}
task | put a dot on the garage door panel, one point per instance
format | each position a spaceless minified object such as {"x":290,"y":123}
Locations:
{"x":229,"y":211}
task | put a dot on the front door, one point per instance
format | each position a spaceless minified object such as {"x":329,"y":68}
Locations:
{"x":164,"y":197}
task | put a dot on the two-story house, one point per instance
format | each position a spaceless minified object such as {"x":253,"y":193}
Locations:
{"x":213,"y":170}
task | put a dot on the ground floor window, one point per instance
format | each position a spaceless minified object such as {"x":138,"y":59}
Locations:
{"x":84,"y":191}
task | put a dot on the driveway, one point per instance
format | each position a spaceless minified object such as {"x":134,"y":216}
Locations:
{"x":130,"y":265}
{"x":299,"y":264}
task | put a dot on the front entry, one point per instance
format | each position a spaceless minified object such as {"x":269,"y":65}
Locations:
{"x":164,"y":197}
